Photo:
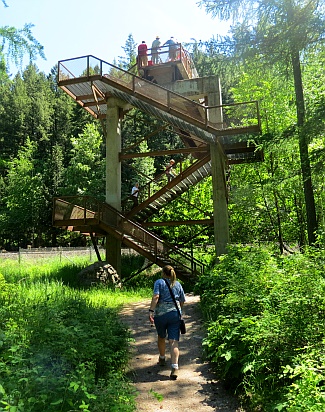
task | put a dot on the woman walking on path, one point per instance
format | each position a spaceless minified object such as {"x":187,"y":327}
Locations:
{"x":164,"y":315}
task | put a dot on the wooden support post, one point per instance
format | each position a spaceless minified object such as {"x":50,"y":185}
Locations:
{"x":113,"y":177}
{"x":218,"y":162}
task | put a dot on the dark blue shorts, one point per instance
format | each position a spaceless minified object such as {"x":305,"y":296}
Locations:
{"x":168,"y":324}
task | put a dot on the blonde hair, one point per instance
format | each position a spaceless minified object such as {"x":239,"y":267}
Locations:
{"x":170,"y":272}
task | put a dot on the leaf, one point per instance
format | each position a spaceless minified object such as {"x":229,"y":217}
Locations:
{"x":248,"y":367}
{"x":157,"y":395}
{"x":57,"y":402}
{"x":74,"y":385}
{"x":227,"y":355}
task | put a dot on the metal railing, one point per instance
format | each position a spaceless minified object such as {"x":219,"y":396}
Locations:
{"x":230,"y":116}
{"x":91,"y":211}
{"x":146,"y":199}
{"x":155,"y":57}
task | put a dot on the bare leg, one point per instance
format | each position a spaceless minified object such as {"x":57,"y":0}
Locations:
{"x":161,"y":346}
{"x":174,"y":351}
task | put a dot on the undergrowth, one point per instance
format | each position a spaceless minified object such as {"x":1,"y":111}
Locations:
{"x":265,"y":321}
{"x":62,"y":347}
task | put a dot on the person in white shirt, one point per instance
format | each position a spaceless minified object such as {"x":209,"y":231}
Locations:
{"x":135,"y":194}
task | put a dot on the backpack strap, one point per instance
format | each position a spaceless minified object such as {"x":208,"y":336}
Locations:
{"x":173,"y":297}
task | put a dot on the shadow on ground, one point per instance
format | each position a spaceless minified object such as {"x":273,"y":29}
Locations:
{"x":196,"y":388}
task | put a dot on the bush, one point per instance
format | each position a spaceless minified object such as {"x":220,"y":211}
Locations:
{"x":263,"y":313}
{"x":59,"y":351}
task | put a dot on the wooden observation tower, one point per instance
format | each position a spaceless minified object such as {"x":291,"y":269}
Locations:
{"x":166,"y":87}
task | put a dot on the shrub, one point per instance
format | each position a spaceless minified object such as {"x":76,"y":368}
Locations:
{"x":60,"y":352}
{"x":262,"y":313}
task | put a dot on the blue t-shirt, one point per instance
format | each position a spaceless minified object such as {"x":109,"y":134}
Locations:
{"x":165,"y":302}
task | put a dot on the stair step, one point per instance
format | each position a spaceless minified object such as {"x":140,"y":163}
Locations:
{"x":157,"y":205}
{"x":165,"y":197}
{"x":191,"y":181}
{"x":178,"y":189}
{"x":182,"y":185}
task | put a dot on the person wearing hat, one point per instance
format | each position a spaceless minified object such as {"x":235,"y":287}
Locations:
{"x":155,"y":50}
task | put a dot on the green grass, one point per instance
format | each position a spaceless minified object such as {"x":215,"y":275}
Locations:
{"x":63,"y":347}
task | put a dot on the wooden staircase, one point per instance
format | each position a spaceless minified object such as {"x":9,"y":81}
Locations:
{"x":180,"y":184}
{"x":90,"y":216}
{"x":91,"y":81}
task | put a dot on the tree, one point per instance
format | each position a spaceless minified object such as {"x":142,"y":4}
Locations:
{"x":130,"y":49}
{"x":23,"y":196}
{"x":30,"y":99}
{"x":281,"y":31}
{"x":34,"y":111}
{"x":16,"y":43}
{"x":269,"y":194}
{"x":85,"y":174}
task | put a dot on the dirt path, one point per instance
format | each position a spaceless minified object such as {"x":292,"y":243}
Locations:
{"x":196,"y":388}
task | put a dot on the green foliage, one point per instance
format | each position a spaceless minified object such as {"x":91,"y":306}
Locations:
{"x":265,"y":321}
{"x":306,"y":393}
{"x":46,"y":270}
{"x":60,"y":348}
{"x":18,"y":42}
{"x":156,"y":395}
{"x":144,"y":169}
{"x":86,"y":171}
{"x":24,"y":192}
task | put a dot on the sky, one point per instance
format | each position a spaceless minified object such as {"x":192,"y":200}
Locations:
{"x":74,"y":28}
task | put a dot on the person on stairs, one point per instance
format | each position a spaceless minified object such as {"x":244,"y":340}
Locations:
{"x":135,"y":195}
{"x":169,"y":170}
{"x":163,"y":314}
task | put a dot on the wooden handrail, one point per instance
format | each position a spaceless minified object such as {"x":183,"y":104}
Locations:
{"x":121,"y":229}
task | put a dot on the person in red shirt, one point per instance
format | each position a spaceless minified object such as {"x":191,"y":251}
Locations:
{"x":142,"y":54}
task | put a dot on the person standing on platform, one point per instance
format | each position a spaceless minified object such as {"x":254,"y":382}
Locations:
{"x":142,"y":54}
{"x":172,"y":48}
{"x":155,"y":50}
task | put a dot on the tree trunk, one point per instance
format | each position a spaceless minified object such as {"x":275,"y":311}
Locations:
{"x":303,"y":149}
